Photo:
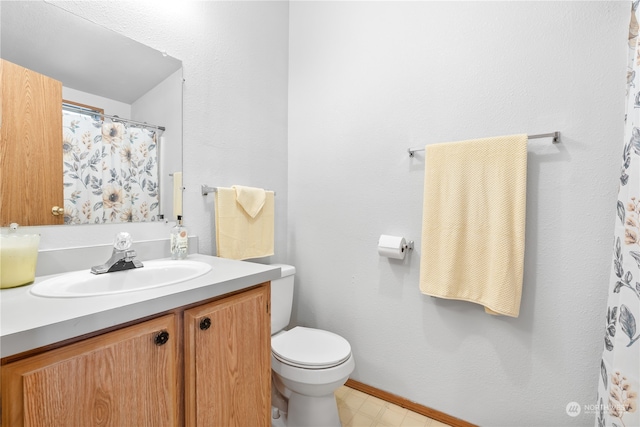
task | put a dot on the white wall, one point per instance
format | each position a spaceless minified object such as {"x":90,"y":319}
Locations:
{"x":367,"y":80}
{"x":110,"y":106}
{"x":234,"y":58}
{"x":162,"y":106}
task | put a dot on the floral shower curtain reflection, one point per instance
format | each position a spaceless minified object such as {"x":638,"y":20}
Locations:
{"x":619,"y":380}
{"x":110,"y":170}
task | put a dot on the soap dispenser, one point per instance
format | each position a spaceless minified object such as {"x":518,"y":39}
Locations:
{"x":179,"y":240}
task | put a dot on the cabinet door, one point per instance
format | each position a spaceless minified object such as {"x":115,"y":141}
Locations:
{"x":122,"y":378}
{"x":228,"y":361}
{"x":30,"y":147}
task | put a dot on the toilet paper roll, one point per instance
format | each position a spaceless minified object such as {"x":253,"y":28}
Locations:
{"x":391,"y":246}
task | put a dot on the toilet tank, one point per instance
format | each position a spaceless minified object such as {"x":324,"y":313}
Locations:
{"x":282,"y":298}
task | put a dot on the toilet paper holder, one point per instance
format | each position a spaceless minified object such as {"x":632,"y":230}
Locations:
{"x":395,"y":247}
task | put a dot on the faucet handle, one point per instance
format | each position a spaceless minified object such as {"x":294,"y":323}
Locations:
{"x":129,"y":255}
{"x":123,"y":241}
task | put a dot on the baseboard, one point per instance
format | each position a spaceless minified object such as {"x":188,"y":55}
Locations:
{"x":405,"y":403}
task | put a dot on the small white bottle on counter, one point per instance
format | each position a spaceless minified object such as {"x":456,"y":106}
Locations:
{"x":179,"y":241}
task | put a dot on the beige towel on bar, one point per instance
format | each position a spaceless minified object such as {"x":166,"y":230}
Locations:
{"x":238,"y":235}
{"x":474,"y":222}
{"x":250,"y":198}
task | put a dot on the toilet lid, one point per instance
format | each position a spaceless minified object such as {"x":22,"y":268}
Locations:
{"x":310,"y":348}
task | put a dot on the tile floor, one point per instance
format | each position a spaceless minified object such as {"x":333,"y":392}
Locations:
{"x":358,"y":409}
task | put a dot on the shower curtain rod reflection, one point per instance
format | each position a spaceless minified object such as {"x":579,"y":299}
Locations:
{"x":83,"y":110}
{"x":554,"y":135}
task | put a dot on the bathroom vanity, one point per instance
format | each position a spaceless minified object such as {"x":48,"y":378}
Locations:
{"x":195,"y":353}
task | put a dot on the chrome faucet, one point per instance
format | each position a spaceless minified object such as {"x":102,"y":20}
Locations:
{"x":122,"y":257}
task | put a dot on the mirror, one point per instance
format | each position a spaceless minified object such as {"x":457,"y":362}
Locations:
{"x":105,"y":70}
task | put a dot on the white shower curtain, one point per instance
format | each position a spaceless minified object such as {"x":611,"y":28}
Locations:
{"x":110,"y":171}
{"x":618,"y":384}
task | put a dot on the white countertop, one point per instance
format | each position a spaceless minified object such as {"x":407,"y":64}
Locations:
{"x":28,"y":321}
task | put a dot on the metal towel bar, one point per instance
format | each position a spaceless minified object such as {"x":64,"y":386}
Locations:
{"x":206,"y":190}
{"x":554,"y":135}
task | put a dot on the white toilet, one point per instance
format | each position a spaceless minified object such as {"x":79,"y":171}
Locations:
{"x":308,"y":365}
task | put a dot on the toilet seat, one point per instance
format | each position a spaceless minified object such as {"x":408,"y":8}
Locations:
{"x":310,"y":348}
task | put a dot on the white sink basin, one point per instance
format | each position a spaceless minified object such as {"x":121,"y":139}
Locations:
{"x":153,"y":275}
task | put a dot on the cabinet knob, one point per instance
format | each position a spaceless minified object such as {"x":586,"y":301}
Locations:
{"x":57,"y":210}
{"x":161,"y":338}
{"x":205,"y":323}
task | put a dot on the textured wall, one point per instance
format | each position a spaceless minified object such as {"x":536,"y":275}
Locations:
{"x":367,"y":80}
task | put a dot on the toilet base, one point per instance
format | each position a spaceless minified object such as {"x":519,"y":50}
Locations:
{"x":281,"y":421}
{"x":309,"y":393}
{"x":312,"y":411}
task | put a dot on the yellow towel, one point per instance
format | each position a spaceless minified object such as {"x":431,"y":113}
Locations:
{"x":238,"y":235}
{"x":474,"y":222}
{"x":251,"y":199}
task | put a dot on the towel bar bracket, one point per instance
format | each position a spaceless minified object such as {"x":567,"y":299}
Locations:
{"x":555,"y":136}
{"x":206,"y":189}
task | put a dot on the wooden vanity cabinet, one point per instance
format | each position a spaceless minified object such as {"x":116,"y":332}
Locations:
{"x":228,"y":361}
{"x":123,"y":378}
{"x":202,"y":365}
